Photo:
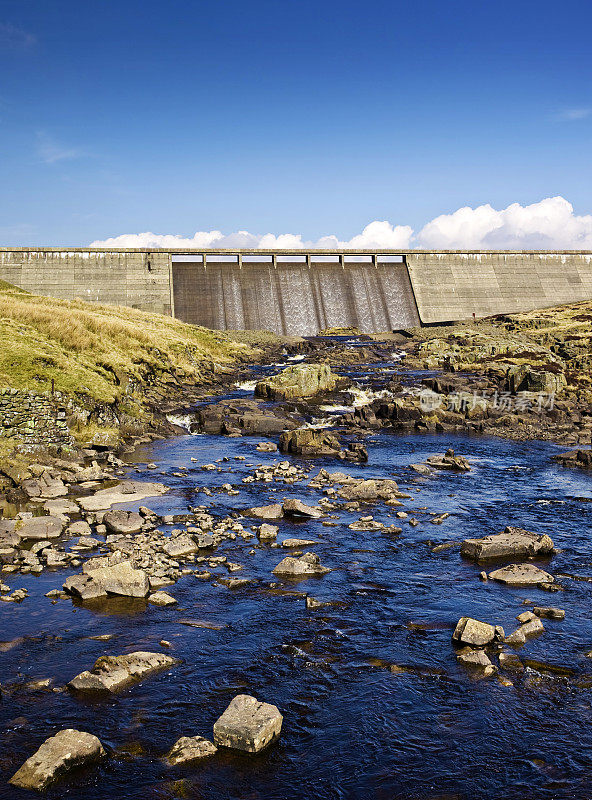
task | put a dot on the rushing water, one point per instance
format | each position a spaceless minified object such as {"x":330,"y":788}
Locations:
{"x":352,"y":728}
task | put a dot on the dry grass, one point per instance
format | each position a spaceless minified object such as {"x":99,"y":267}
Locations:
{"x":96,"y":350}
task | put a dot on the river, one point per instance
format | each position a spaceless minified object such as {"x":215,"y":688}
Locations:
{"x":353,"y":729}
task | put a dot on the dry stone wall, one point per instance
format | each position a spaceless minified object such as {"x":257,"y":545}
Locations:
{"x":35,"y":419}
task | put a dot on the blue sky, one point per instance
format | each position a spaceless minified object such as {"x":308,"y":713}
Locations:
{"x":309,"y":118}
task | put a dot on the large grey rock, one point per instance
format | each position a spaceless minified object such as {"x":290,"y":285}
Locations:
{"x":248,"y":724}
{"x":57,"y":756}
{"x":190,"y":748}
{"x":511,"y":543}
{"x":475,"y":633}
{"x":299,"y":380}
{"x":369,"y":491}
{"x":307,"y":565}
{"x":123,"y":521}
{"x":293,"y":507}
{"x":119,"y":579}
{"x":267,"y":532}
{"x":111,"y":673}
{"x":477,"y":660}
{"x":521,"y":575}
{"x":79,"y":528}
{"x":180,"y":546}
{"x":126,"y":492}
{"x":271,"y":512}
{"x":41,"y":528}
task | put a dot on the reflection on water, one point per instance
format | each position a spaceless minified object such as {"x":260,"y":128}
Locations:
{"x":374,"y":702}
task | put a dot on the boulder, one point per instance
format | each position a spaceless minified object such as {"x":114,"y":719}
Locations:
{"x":80,"y":528}
{"x":274,"y":511}
{"x":521,"y":575}
{"x":123,"y":522}
{"x":532,"y":628}
{"x":296,"y":508}
{"x":111,"y":673}
{"x":475,"y":633}
{"x":41,"y":528}
{"x":299,"y":380}
{"x":180,"y":546}
{"x":190,"y":748}
{"x":267,"y":532}
{"x":309,"y":442}
{"x":120,"y":579}
{"x":162,"y":599}
{"x":369,"y":491}
{"x":307,"y":565}
{"x":58,"y":755}
{"x":248,"y":725}
{"x":511,"y":543}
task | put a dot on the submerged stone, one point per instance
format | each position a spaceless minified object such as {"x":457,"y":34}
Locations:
{"x":190,"y":748}
{"x":521,"y":575}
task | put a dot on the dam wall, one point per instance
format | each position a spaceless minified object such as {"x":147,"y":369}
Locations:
{"x":303,"y":291}
{"x":456,"y":285}
{"x":134,"y":278}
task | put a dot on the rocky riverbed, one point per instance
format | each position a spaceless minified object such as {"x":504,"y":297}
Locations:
{"x":402,"y":602}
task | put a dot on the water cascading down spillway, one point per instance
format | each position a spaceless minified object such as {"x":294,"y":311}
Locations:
{"x":293,"y":297}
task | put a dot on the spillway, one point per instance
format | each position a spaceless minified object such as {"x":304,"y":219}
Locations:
{"x":294,"y":299}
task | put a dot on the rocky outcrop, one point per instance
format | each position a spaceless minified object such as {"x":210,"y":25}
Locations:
{"x":57,"y":756}
{"x":510,"y":543}
{"x":111,"y":673}
{"x":309,"y":442}
{"x":39,"y":528}
{"x":449,"y":461}
{"x":300,"y":380}
{"x":575,"y":458}
{"x":248,"y":725}
{"x":306,"y":566}
{"x":292,"y":507}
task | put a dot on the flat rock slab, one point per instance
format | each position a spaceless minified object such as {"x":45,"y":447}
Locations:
{"x":511,"y":543}
{"x":123,"y":521}
{"x":179,"y":546}
{"x":120,"y":579}
{"x":298,"y":542}
{"x":39,"y":528}
{"x":248,"y":725}
{"x":126,"y":492}
{"x":190,"y":748}
{"x":111,"y":673}
{"x":521,"y":575}
{"x":306,"y":566}
{"x":58,"y":755}
{"x":474,"y":632}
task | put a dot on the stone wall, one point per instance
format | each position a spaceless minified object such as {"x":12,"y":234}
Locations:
{"x":35,"y":419}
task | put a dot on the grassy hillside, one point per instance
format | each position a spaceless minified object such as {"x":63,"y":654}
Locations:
{"x":97,"y":351}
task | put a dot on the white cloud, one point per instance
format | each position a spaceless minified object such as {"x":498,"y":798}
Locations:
{"x":549,"y":224}
{"x":50,"y":151}
{"x":574,"y":114}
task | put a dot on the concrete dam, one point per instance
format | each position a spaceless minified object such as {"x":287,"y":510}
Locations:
{"x":303,"y":291}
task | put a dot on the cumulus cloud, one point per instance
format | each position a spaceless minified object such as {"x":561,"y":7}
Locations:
{"x":549,"y":224}
{"x":376,"y":234}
